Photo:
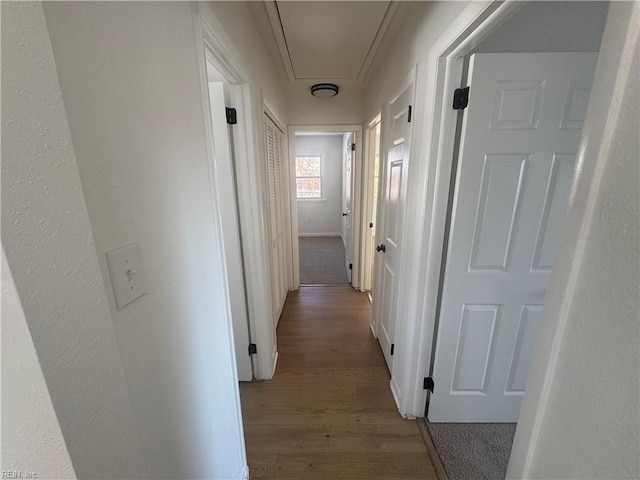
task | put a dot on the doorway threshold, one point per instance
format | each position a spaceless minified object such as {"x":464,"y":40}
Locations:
{"x":431,"y":449}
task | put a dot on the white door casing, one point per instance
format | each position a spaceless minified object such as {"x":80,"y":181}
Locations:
{"x":393,"y":197}
{"x":230,"y":228}
{"x":372,"y":151}
{"x":348,"y":211}
{"x":293,"y":232}
{"x":519,"y":140}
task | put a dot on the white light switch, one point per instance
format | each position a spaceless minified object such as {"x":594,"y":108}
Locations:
{"x":125,"y":269}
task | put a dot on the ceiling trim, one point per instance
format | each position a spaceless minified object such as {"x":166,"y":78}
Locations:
{"x":377,"y":40}
{"x":278,"y":33}
{"x":281,"y":40}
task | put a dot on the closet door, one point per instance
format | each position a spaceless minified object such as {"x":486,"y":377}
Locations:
{"x":277,"y":189}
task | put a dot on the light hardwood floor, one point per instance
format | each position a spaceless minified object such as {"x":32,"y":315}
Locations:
{"x":328,"y":412}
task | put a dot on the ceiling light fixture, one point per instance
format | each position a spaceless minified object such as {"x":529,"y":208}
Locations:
{"x":324,"y":90}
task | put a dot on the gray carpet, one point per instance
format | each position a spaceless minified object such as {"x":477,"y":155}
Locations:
{"x":478,"y":451}
{"x":322,"y":261}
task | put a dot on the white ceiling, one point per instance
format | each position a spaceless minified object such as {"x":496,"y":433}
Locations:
{"x":328,"y":40}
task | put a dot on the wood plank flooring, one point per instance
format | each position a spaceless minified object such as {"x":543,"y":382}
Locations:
{"x":328,"y":413}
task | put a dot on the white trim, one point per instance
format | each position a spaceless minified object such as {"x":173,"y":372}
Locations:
{"x":217,"y":51}
{"x":375,"y":45}
{"x":395,"y":391}
{"x":379,"y":220}
{"x":368,"y":174}
{"x":244,"y":473}
{"x":427,"y":202}
{"x":274,"y":361}
{"x":356,"y":205}
{"x":276,"y":27}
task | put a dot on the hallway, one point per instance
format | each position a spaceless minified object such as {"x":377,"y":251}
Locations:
{"x":328,"y":413}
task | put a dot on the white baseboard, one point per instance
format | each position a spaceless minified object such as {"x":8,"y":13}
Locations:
{"x":396,"y":394}
{"x":244,"y":475}
{"x":275,"y":362}
{"x":319,"y":235}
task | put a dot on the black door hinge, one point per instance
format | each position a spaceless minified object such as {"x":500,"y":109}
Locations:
{"x":409,"y":114}
{"x":353,"y":147}
{"x":460,"y":98}
{"x":393,"y":347}
{"x":351,"y":266}
{"x":370,"y":225}
{"x":428,"y":384}
{"x":253,"y":348}
{"x":232,"y":115}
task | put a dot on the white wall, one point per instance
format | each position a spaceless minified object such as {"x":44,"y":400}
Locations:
{"x":51,"y":252}
{"x":580,"y":416}
{"x":559,"y":26}
{"x":250,"y":52}
{"x":131,"y":87}
{"x":31,"y":440}
{"x":395,"y":60}
{"x":323,"y":216}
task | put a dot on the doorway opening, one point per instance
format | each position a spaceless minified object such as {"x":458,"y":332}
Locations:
{"x":371,"y":190}
{"x":511,"y":174}
{"x":325,"y":206}
{"x":320,"y":182}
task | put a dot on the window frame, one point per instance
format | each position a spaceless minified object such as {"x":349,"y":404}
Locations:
{"x":321,"y":177}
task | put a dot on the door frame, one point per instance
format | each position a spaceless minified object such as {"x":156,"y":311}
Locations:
{"x":441,"y":73}
{"x":356,"y":196}
{"x":368,"y":174}
{"x":214,"y":46}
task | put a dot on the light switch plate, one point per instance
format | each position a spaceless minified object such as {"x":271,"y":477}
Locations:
{"x":125,"y":269}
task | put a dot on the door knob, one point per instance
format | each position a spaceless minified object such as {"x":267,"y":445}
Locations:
{"x":381,"y":248}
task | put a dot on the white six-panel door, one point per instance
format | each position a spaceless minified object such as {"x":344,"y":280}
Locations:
{"x":519,"y":140}
{"x":389,"y":251}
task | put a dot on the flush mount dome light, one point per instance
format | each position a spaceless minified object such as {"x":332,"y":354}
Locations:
{"x":324,"y":90}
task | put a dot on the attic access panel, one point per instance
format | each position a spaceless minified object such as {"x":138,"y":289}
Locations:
{"x":330,"y":40}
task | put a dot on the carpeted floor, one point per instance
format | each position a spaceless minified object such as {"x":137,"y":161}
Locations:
{"x":478,"y":451}
{"x":322,"y":261}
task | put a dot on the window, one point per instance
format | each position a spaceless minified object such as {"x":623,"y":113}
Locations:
{"x":309,"y":176}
